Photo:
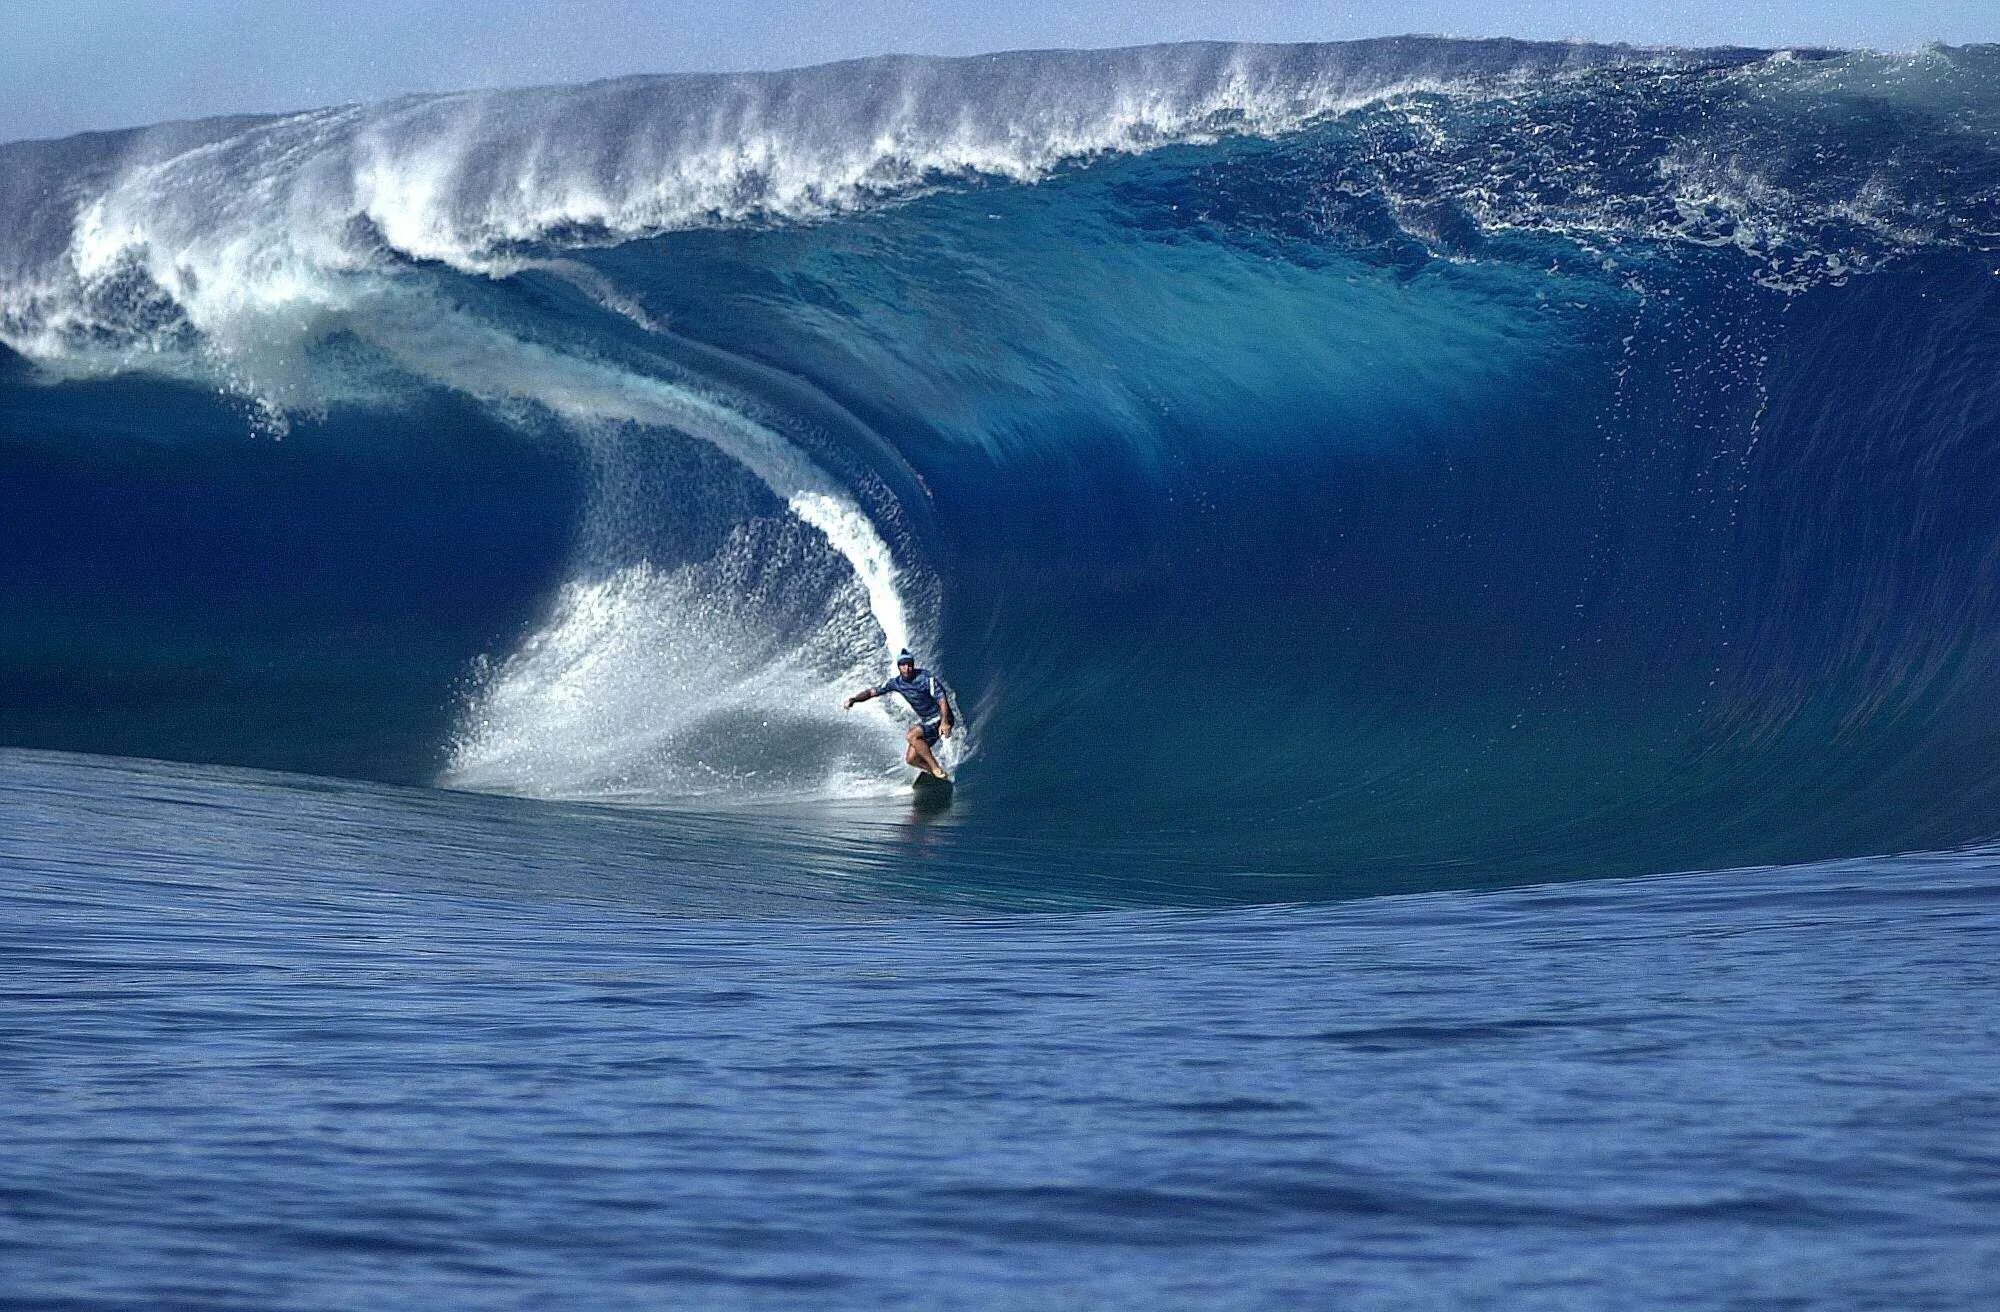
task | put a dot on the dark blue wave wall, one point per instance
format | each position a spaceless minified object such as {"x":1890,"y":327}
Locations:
{"x":179,"y":585}
{"x":1465,"y":483}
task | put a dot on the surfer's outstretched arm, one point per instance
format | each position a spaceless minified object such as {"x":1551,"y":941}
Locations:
{"x":865,"y":695}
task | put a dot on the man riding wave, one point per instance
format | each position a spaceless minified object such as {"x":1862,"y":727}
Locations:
{"x":928,"y":698}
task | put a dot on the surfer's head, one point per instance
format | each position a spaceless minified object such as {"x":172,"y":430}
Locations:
{"x":905,"y":663}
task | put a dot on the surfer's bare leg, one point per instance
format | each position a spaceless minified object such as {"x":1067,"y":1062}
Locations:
{"x":920,"y":754}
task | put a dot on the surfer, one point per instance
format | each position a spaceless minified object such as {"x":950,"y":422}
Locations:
{"x":931,"y":702}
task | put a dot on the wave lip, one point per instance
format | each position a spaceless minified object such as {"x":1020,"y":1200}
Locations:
{"x":149,"y":235}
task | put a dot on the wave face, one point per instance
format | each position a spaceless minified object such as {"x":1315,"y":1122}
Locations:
{"x":1402,"y":455}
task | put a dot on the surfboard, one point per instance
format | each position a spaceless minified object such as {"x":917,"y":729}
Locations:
{"x":930,"y":788}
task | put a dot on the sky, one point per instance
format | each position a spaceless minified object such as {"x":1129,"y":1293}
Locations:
{"x":71,"y":65}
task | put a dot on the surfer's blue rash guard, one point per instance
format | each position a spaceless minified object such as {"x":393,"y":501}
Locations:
{"x":922,"y":691}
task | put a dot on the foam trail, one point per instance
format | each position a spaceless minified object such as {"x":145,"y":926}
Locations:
{"x":487,"y":364}
{"x":650,"y":684}
{"x":619,"y":694}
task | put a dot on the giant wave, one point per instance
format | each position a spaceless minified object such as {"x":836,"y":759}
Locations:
{"x":1403,"y":455}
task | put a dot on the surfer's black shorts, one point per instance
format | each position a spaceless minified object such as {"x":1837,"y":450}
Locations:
{"x":930,"y":728}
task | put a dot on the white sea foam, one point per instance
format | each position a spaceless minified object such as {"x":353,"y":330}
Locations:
{"x":714,"y":679}
{"x":235,"y":240}
{"x":129,"y":247}
{"x":647,"y":684}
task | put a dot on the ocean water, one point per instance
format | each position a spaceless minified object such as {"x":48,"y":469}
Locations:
{"x":1468,"y":570}
{"x":276,"y":1042}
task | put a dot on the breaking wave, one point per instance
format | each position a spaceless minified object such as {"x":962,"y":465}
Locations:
{"x":1394,"y":453}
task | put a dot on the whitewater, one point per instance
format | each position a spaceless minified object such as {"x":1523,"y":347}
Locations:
{"x":1468,"y":569}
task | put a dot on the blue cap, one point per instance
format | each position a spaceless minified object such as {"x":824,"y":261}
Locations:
{"x":903,"y":657}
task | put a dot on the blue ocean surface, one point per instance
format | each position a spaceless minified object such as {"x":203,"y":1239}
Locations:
{"x":1468,"y":574}
{"x":275,"y":1042}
